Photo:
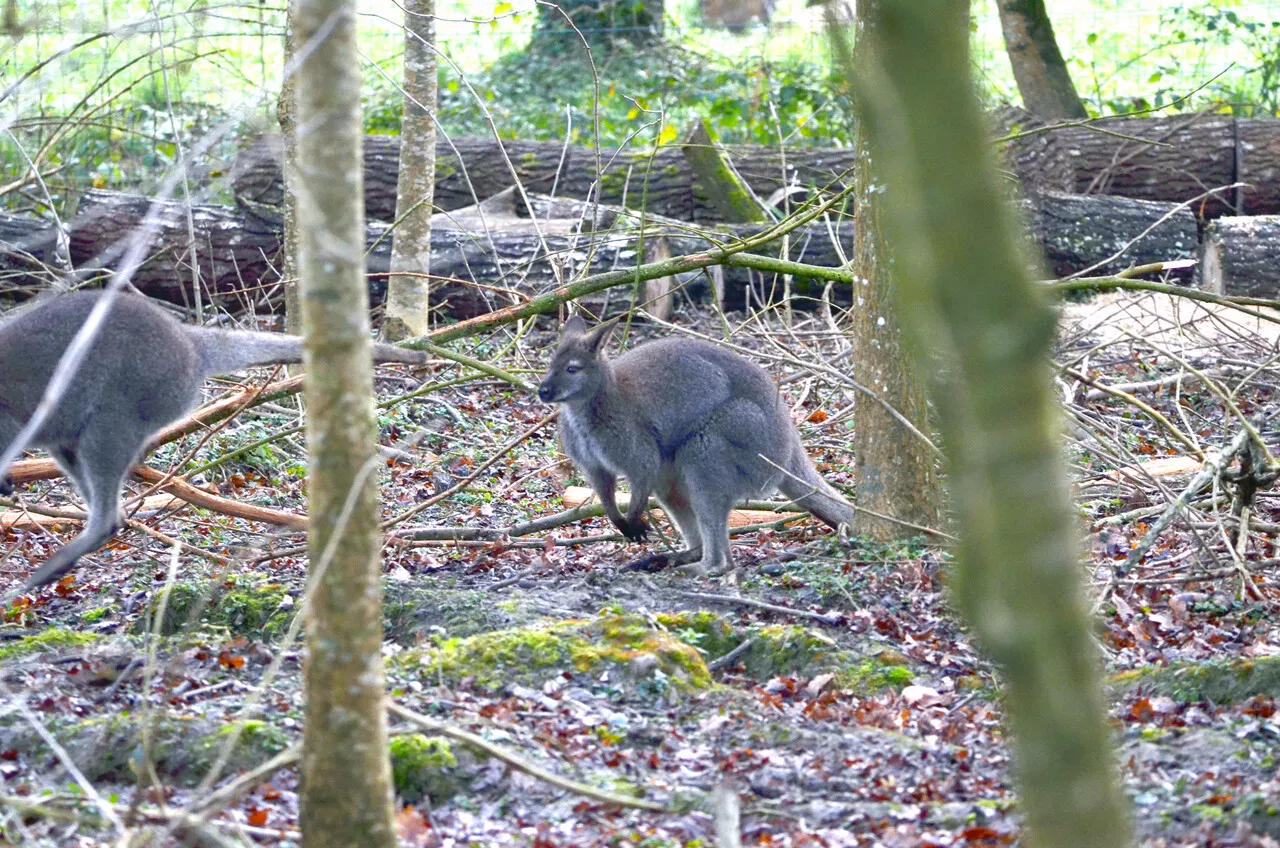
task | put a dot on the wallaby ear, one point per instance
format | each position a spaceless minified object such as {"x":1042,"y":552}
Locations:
{"x":596,"y":338}
{"x":575,"y":326}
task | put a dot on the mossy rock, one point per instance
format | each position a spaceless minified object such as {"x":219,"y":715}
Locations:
{"x":50,"y":639}
{"x":627,"y":646}
{"x":1219,"y":682}
{"x":424,"y":767}
{"x":182,"y":748}
{"x":243,"y":606}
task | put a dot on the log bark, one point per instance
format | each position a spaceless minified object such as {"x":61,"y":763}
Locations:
{"x":1240,"y":257}
{"x":483,"y":262}
{"x":1168,"y":159}
{"x":1076,"y":232}
{"x":470,"y":170}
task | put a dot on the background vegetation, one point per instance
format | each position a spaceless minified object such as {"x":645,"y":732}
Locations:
{"x":142,"y":80}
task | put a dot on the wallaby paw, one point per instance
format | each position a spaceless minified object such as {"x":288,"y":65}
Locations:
{"x":637,"y":532}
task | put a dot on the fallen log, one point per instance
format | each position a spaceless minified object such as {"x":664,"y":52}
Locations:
{"x":1168,"y":159}
{"x":1239,"y":256}
{"x":508,"y":250}
{"x":469,"y":170}
{"x":1108,"y":234}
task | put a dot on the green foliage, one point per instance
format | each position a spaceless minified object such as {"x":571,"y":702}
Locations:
{"x":645,"y":97}
{"x":1255,"y":88}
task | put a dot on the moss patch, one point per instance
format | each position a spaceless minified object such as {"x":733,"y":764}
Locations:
{"x":424,"y":767}
{"x":52,"y":639}
{"x":1219,"y":682}
{"x":243,"y":606}
{"x":625,"y":643}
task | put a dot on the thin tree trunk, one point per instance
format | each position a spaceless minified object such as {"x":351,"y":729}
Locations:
{"x":966,"y":299}
{"x":895,"y":470}
{"x":346,"y":800}
{"x":1038,"y":67}
{"x":286,"y":105}
{"x":409,"y":294}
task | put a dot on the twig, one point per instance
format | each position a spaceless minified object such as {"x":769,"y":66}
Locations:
{"x":823,"y":617}
{"x":729,"y":658}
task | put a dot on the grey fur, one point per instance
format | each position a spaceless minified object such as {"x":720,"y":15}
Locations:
{"x":698,"y":426}
{"x":143,"y":372}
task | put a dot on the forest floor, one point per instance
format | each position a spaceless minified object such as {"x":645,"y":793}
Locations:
{"x":829,"y":685}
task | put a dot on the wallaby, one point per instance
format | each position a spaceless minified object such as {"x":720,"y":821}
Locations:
{"x":698,"y":426}
{"x":143,"y":371}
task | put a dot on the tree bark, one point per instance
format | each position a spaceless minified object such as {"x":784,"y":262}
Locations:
{"x":966,"y":299}
{"x":1038,"y":67}
{"x":895,"y":471}
{"x":346,"y":796}
{"x":409,"y":288}
{"x":286,"y":105}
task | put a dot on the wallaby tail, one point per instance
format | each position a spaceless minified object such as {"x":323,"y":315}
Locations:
{"x":224,"y":351}
{"x":804,"y":485}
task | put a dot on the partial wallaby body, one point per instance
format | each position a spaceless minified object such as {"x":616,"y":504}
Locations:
{"x":143,"y":372}
{"x":699,"y":427}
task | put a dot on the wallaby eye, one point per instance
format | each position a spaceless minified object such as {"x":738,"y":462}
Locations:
{"x":572,"y":369}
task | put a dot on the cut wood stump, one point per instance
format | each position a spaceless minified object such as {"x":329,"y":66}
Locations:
{"x":1241,"y":256}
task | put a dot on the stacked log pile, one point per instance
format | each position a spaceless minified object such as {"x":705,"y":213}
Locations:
{"x":1098,"y":198}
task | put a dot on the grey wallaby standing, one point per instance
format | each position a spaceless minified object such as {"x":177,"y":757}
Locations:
{"x":143,"y":372}
{"x":698,"y":426}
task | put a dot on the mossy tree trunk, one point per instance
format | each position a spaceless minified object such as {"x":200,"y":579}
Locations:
{"x":1038,"y":67}
{"x":966,"y":300}
{"x":895,"y":470}
{"x":408,"y":288}
{"x":346,"y":798}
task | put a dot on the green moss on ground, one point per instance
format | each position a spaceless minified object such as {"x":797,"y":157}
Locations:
{"x":1222,"y":682}
{"x":424,"y":767}
{"x":531,"y":655}
{"x":51,"y":639}
{"x":247,"y":606}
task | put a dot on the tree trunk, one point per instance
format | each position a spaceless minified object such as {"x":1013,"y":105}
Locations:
{"x":895,"y":471}
{"x":286,"y":105}
{"x":1038,"y":67}
{"x":408,"y":288}
{"x":346,"y":795}
{"x":965,"y":297}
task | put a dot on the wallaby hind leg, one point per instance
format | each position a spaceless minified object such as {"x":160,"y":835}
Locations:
{"x":100,"y":483}
{"x":713,"y":508}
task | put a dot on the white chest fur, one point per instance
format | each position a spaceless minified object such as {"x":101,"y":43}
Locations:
{"x":583,"y":445}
